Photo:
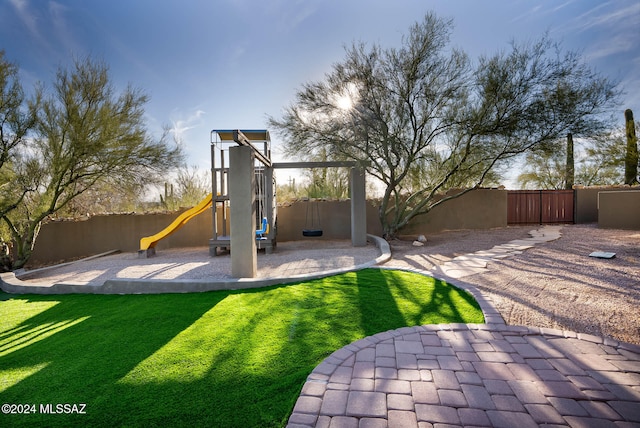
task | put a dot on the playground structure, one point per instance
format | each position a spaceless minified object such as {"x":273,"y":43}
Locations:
{"x":262,"y":181}
{"x":243,"y":197}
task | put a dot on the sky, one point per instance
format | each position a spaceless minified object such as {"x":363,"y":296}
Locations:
{"x":230,"y":64}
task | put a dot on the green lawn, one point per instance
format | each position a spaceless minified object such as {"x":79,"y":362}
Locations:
{"x":225,"y":358}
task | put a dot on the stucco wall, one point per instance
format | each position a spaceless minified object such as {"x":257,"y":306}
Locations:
{"x":619,"y":209}
{"x":70,"y":239}
{"x":587,"y":201}
{"x":334,"y":219}
{"x":479,"y":209}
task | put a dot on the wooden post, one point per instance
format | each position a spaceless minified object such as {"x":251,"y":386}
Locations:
{"x":631,"y":158}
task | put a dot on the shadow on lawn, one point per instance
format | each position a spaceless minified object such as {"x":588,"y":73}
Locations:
{"x":235,"y":358}
{"x":378,"y":301}
{"x":113,"y":335}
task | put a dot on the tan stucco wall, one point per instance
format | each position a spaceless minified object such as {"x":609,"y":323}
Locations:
{"x":619,"y":209}
{"x":587,"y":201}
{"x":479,"y":209}
{"x":70,"y":239}
{"x":335,"y":219}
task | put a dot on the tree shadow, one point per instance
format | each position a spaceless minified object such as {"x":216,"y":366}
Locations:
{"x":190,"y":359}
{"x":434,"y":301}
{"x":377,"y":306}
{"x":104,"y":336}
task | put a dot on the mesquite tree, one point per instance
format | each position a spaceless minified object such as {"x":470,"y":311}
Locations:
{"x":424,"y":119}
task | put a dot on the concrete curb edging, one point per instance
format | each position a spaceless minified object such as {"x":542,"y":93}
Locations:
{"x":9,"y":283}
{"x":21,"y":273}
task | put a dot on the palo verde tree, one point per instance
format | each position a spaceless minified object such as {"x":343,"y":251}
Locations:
{"x":86,"y":133}
{"x":543,"y":170}
{"x":425,"y":110}
{"x":17,"y":119}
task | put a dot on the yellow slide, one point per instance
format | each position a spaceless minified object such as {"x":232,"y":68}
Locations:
{"x":151,"y":241}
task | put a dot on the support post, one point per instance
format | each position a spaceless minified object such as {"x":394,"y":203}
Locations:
{"x":270,"y":206}
{"x":358,"y":208}
{"x":244,"y":263}
{"x":213,"y":250}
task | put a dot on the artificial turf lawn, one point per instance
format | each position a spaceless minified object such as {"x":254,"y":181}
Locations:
{"x":224,"y":358}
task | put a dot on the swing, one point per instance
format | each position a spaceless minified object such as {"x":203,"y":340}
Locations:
{"x":312,"y":230}
{"x":263,"y":230}
{"x":261,"y":185}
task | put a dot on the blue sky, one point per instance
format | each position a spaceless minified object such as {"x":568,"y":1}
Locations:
{"x":222,"y":64}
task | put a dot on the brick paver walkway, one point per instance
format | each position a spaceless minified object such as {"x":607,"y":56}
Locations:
{"x":474,"y":375}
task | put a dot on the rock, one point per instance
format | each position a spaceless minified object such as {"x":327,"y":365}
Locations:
{"x":422,"y":238}
{"x":418,"y":244}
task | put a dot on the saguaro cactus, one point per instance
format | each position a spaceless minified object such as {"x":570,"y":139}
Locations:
{"x":631,"y":159}
{"x":570,"y":169}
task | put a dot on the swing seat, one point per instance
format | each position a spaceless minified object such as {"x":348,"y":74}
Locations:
{"x":312,"y":232}
{"x":313,"y":227}
{"x":264,"y":228}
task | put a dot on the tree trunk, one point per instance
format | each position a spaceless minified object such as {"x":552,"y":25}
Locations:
{"x":389,"y":232}
{"x":570,"y":168}
{"x":631,"y":159}
{"x":5,"y":257}
{"x":23,"y":244}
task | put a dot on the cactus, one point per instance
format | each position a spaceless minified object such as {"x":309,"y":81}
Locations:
{"x":631,"y":158}
{"x":570,"y":169}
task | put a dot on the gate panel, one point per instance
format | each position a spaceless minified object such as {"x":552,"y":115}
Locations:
{"x":540,"y":206}
{"x":523,"y":207}
{"x":557,"y":206}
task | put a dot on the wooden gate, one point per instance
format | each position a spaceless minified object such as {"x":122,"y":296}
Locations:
{"x":540,"y":206}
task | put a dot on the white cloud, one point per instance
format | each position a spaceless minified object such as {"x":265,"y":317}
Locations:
{"x":47,"y":28}
{"x":63,"y":33}
{"x":27,"y":17}
{"x":292,"y":16}
{"x":180,"y":126}
{"x":608,"y":17}
{"x":615,"y":44}
{"x":563,"y":5}
{"x":615,"y":19}
{"x":615,"y":25}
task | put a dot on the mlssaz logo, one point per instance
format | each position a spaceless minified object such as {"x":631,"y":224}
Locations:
{"x":66,"y":409}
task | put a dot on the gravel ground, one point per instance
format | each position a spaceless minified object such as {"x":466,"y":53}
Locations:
{"x":290,"y":258}
{"x":554,"y":284}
